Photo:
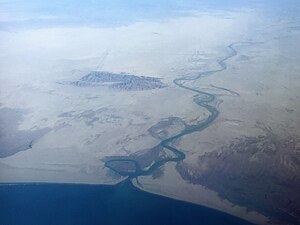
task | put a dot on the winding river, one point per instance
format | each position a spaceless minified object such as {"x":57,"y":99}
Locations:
{"x":203,"y":99}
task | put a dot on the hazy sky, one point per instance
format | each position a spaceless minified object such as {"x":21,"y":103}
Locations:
{"x":45,"y":13}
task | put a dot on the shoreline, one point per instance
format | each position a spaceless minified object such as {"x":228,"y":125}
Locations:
{"x":129,"y":188}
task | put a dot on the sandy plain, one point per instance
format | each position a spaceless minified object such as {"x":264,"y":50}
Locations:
{"x":86,"y":125}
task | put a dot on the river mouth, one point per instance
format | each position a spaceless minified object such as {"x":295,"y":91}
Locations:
{"x":100,"y":204}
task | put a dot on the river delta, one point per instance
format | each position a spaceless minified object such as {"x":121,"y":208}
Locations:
{"x":198,"y":103}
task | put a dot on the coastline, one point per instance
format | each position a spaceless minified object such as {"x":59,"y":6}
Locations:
{"x":196,"y":194}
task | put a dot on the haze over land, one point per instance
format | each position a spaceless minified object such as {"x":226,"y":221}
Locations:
{"x":82,"y":83}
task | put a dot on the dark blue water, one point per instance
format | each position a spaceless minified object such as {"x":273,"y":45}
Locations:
{"x":121,"y":204}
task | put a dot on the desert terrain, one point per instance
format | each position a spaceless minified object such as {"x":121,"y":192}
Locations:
{"x":73,"y":98}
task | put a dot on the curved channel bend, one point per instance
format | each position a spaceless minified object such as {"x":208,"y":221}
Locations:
{"x":202,"y":99}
